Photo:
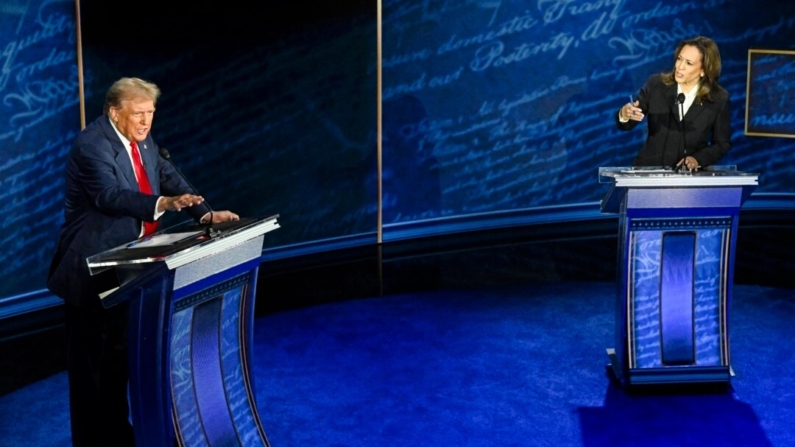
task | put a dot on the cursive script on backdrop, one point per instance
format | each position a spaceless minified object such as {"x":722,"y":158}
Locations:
{"x":38,"y":122}
{"x":519,"y":103}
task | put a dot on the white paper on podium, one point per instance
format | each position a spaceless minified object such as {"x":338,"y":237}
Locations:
{"x":648,"y":171}
{"x":161,"y":240}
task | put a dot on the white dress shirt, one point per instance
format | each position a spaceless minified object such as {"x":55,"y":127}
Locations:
{"x":126,"y":144}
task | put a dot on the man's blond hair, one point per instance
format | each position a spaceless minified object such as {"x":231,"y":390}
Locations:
{"x":127,"y":88}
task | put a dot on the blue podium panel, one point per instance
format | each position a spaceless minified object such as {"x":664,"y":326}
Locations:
{"x":676,"y":298}
{"x":677,"y":294}
{"x":676,"y":239}
{"x":211,"y":386}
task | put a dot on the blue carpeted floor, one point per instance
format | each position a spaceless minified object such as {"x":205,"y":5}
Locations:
{"x":515,"y":365}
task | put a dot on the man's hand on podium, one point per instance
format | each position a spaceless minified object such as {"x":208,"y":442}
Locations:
{"x":177,"y":203}
{"x":219,"y":216}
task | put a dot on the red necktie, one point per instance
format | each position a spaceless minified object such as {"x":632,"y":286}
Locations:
{"x":143,"y":183}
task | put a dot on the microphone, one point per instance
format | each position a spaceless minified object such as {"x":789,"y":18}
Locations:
{"x":167,"y":156}
{"x":680,"y":98}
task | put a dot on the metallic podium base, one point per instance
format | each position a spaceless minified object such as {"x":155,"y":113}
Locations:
{"x":668,"y":375}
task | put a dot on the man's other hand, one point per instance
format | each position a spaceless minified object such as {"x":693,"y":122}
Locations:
{"x":177,"y":203}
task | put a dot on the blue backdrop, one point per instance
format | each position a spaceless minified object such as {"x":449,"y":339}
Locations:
{"x":489,"y":107}
{"x":509,"y":104}
{"x":39,"y":118}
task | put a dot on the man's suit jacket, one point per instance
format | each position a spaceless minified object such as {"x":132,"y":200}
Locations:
{"x":704,"y":134}
{"x":104,"y":208}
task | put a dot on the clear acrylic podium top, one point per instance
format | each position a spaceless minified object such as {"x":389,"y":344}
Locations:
{"x":182,"y":243}
{"x":664,"y":176}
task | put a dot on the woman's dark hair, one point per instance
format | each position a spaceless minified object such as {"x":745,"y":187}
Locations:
{"x":710,"y":63}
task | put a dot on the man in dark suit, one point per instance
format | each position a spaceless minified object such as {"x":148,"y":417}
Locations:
{"x":117,"y":187}
{"x":701,"y":135}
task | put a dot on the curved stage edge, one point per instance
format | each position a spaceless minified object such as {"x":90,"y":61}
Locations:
{"x":759,"y":254}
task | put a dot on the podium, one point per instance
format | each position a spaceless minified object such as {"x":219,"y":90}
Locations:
{"x":676,"y":244}
{"x":191,"y":291}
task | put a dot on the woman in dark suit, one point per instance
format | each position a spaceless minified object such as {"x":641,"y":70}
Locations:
{"x":703,"y":135}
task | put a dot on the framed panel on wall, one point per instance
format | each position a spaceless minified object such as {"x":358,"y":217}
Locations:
{"x":770,"y":96}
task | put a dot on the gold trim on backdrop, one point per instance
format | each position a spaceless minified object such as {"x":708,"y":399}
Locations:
{"x":80,"y":87}
{"x":379,"y":124}
{"x":748,"y":93}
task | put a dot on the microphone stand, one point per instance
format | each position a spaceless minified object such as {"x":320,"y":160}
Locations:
{"x":211,"y":232}
{"x":680,"y":99}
